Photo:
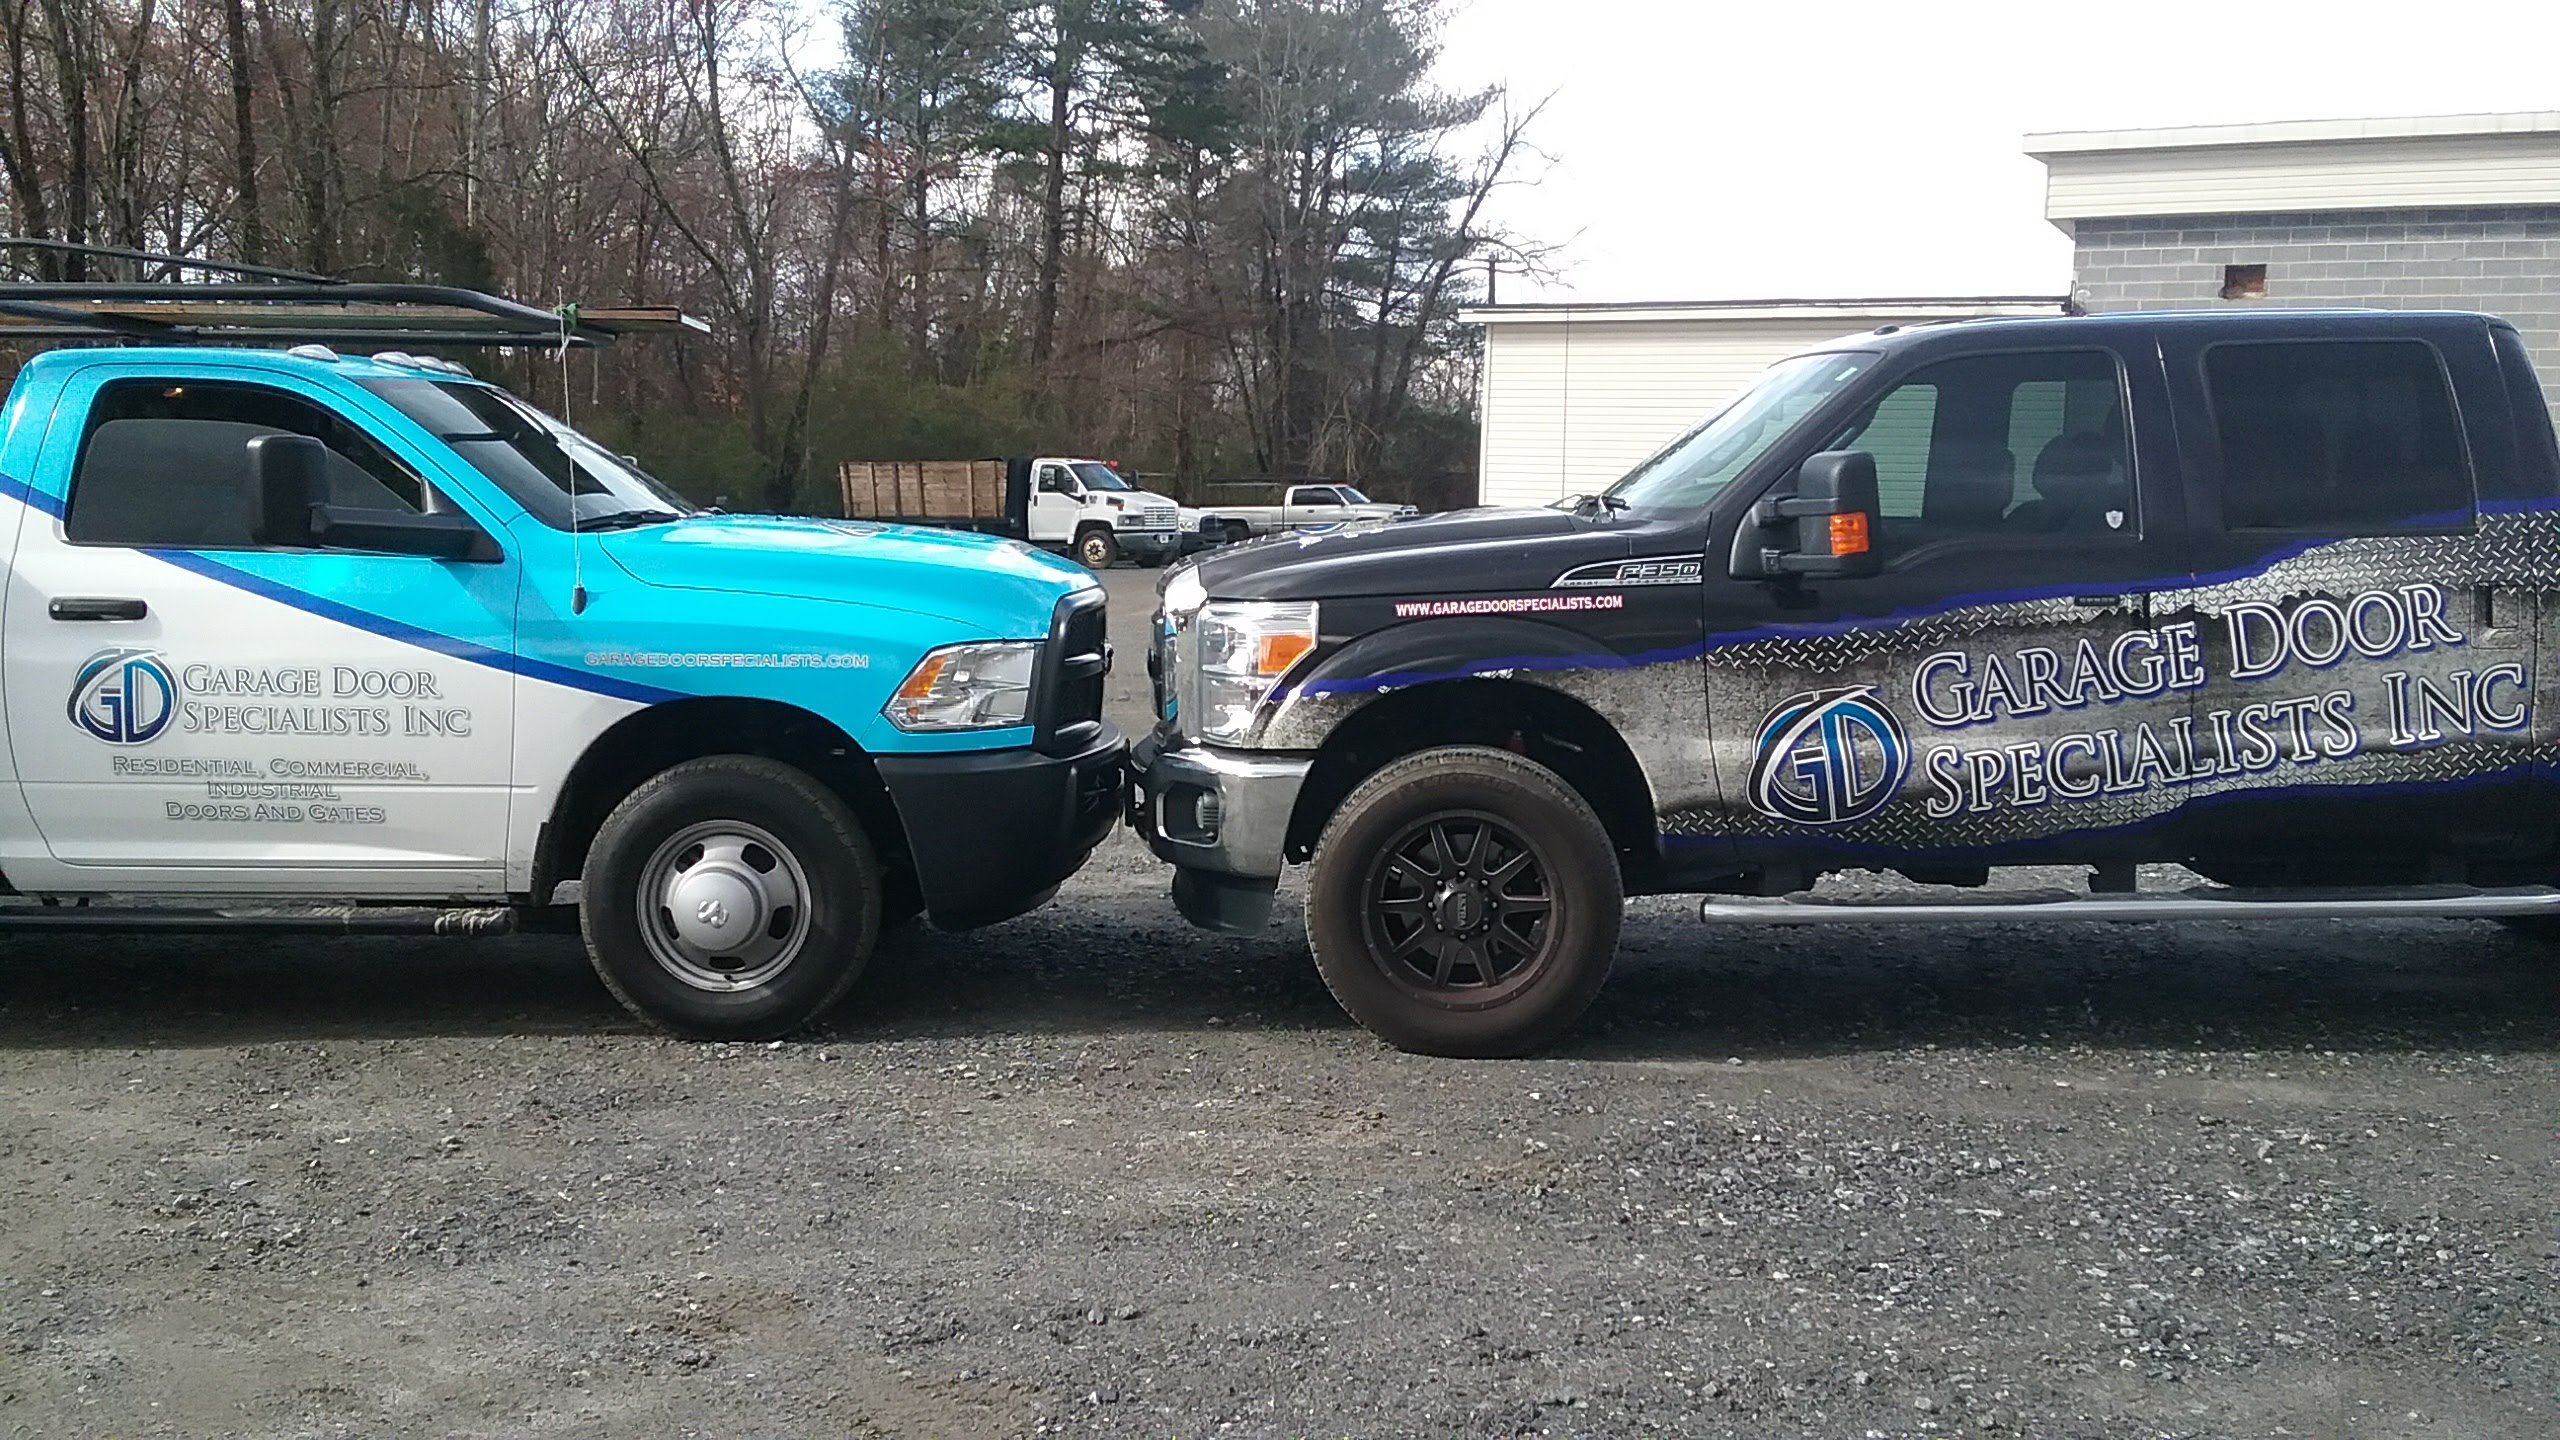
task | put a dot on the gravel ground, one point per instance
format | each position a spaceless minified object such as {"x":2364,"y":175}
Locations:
{"x":1093,"y":1173}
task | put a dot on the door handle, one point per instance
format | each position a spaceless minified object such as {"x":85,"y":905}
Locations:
{"x":95,"y":607}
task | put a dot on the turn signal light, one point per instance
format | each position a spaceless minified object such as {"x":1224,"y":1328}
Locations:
{"x":920,"y":683}
{"x":1849,"y":533}
{"x":1274,"y":654}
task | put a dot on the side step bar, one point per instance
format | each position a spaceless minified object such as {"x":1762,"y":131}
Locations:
{"x":2201,"y":903}
{"x":309,"y":920}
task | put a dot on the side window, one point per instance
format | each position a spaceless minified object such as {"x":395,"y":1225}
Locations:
{"x":2350,"y":436}
{"x":2028,"y":444}
{"x":1053,"y":480}
{"x":165,"y":463}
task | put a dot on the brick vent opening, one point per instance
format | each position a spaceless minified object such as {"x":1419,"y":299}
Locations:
{"x":2244,"y":282}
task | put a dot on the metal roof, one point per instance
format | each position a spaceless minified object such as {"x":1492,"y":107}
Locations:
{"x":2295,"y":132}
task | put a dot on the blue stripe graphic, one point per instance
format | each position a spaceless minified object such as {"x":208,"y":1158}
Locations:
{"x":389,"y":629}
{"x":469,"y":651}
{"x":1810,"y":630}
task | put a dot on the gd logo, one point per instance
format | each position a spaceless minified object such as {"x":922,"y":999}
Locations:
{"x":124,"y":697}
{"x":1829,"y":757}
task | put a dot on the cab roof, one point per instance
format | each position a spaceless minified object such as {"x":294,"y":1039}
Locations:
{"x":312,"y":361}
{"x":2116,"y":326}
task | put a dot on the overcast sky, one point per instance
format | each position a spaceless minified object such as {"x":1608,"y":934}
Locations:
{"x":1843,"y":148}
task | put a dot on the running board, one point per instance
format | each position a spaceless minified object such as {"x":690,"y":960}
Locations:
{"x":2201,"y":903}
{"x":312,"y":920}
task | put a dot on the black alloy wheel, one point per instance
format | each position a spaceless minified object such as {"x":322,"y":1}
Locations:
{"x":1459,"y":909}
{"x":1464,"y":901}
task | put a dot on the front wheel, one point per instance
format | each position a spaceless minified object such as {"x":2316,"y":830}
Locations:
{"x":1097,"y":548}
{"x":1464,"y":902}
{"x":730,"y":898}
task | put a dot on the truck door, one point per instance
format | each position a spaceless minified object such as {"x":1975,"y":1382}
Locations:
{"x":188,"y":707}
{"x":2367,"y":620}
{"x":2004,"y":681}
{"x":1056,"y":503}
{"x":1315,"y":505}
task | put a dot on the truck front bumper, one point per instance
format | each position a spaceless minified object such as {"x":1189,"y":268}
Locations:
{"x":1149,"y":542}
{"x":994,"y":833}
{"x":1221,"y":817}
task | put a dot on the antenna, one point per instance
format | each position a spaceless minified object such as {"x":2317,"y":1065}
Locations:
{"x":568,"y":314}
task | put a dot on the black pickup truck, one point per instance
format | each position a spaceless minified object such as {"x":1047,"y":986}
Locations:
{"x":2262,"y":593}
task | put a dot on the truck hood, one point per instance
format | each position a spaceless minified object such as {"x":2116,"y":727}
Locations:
{"x":1001,"y":587}
{"x":1462,"y":552}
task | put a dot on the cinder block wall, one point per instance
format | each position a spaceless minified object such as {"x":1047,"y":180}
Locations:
{"x":2503,"y":260}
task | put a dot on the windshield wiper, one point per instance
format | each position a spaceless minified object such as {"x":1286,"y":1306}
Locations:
{"x":622,"y":519}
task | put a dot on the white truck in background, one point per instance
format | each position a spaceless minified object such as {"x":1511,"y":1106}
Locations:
{"x":1300,"y":507}
{"x":1081,"y":508}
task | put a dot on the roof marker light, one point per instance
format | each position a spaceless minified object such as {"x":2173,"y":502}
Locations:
{"x":313,"y":352}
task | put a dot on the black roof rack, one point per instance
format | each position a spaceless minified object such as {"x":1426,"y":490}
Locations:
{"x":268,"y":305}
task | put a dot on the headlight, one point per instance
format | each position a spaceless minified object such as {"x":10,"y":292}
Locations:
{"x":1245,"y":648}
{"x":985,"y":686}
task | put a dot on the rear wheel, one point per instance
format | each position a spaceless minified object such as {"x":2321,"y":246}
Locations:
{"x":1097,"y":549}
{"x":1464,"y":902}
{"x":730,"y":898}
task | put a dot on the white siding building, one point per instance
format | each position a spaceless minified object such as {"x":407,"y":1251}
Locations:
{"x":1576,"y":395}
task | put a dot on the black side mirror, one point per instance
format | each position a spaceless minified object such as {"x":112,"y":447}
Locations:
{"x":290,"y":475}
{"x":1825,"y":529}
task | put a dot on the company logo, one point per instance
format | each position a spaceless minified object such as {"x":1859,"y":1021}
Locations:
{"x":124,"y":697}
{"x":1829,"y":757}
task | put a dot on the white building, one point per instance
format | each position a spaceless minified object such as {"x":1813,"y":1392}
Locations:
{"x":1576,"y":395}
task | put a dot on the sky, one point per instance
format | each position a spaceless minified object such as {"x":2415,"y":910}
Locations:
{"x":1839,"y":148}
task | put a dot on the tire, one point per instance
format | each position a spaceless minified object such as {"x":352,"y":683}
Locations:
{"x":1097,"y":549}
{"x":1373,"y":940}
{"x":738,"y":833}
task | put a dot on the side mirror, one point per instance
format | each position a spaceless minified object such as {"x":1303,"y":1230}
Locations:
{"x":289,"y":475}
{"x":1827,"y":528}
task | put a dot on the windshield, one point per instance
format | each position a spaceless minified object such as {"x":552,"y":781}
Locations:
{"x":1688,"y":474}
{"x":544,"y":465}
{"x":1353,"y":497}
{"x":1098,"y":476}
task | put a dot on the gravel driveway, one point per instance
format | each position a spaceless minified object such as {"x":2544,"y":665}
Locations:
{"x":1093,"y":1173}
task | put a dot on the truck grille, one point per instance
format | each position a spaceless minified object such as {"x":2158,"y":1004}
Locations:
{"x":1153,"y":518}
{"x":1068,"y":694}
